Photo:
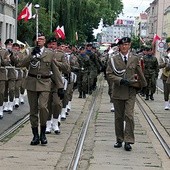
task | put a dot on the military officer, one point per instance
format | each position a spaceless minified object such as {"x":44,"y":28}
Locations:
{"x":55,"y":100}
{"x":164,"y":64}
{"x":3,"y":78}
{"x":151,"y":70}
{"x":10,"y":83}
{"x":84,"y":71}
{"x":38,"y":84}
{"x":19,"y":72}
{"x":123,"y":70}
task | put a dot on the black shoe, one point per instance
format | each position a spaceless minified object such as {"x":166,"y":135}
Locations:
{"x":151,"y":97}
{"x":1,"y":117}
{"x":127,"y":146}
{"x":35,"y":140}
{"x":147,"y":98}
{"x":118,"y":145}
{"x":43,"y":138}
{"x":80,"y":94}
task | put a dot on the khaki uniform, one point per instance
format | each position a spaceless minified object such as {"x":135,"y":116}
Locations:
{"x":20,"y":75}
{"x":165,"y":76}
{"x":123,"y":96}
{"x":3,"y":76}
{"x":55,"y":103}
{"x":10,"y":83}
{"x":38,"y":85}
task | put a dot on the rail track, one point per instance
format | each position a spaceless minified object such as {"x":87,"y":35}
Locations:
{"x":154,"y":128}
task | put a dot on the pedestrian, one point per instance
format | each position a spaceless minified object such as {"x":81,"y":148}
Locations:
{"x":164,"y":63}
{"x":123,"y":69}
{"x":151,"y":71}
{"x":38,"y":84}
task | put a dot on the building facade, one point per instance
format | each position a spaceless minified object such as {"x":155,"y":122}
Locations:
{"x":7,"y":20}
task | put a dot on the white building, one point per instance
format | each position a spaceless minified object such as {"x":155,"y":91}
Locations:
{"x":121,"y":28}
{"x":7,"y":20}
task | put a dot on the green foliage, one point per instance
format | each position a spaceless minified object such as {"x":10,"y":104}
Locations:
{"x":75,"y":15}
{"x":167,"y":39}
{"x":135,"y":42}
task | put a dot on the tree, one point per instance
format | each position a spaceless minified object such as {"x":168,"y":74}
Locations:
{"x":81,"y":16}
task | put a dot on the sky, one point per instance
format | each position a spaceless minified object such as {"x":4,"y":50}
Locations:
{"x":133,"y":8}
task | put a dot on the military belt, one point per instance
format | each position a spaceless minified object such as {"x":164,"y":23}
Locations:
{"x":39,"y":76}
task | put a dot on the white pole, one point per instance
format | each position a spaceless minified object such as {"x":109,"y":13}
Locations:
{"x":51,"y":16}
{"x":37,"y":6}
{"x":16,"y":23}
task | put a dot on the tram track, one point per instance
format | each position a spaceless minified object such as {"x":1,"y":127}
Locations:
{"x":81,"y":139}
{"x":152,"y":125}
{"x":13,"y":128}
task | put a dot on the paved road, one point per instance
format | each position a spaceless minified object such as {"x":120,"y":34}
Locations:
{"x":98,"y":152}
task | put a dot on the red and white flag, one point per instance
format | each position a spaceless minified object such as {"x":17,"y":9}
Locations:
{"x":59,"y":32}
{"x":155,"y":38}
{"x":26,"y":13}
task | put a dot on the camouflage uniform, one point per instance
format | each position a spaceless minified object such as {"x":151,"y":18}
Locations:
{"x":151,"y":71}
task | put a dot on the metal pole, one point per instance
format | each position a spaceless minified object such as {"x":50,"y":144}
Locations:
{"x":37,"y":6}
{"x":51,"y":28}
{"x":37,"y":25}
{"x":16,"y":23}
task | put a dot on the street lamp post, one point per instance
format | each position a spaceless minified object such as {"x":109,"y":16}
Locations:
{"x":37,"y":6}
{"x":16,"y":22}
{"x":51,"y":27}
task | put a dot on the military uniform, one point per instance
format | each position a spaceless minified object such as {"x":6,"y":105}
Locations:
{"x":3,"y":78}
{"x":38,"y":84}
{"x":151,"y":71}
{"x":10,"y":83}
{"x":164,"y":64}
{"x":123,"y":74}
{"x":55,"y":101}
{"x":83,"y":74}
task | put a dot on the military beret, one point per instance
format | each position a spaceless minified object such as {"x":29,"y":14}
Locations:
{"x":39,"y":35}
{"x":8,"y":41}
{"x":52,"y":39}
{"x":82,"y":48}
{"x":148,"y":48}
{"x":124,"y":40}
{"x":89,"y":45}
{"x":15,"y":45}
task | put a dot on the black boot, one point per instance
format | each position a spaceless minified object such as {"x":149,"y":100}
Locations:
{"x":43,"y":138}
{"x":80,"y":94}
{"x":84,"y":95}
{"x":151,"y":96}
{"x":147,"y":97}
{"x":35,"y":140}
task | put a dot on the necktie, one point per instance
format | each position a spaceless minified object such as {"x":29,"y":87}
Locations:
{"x":125,"y":59}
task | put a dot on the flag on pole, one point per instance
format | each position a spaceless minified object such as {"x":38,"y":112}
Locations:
{"x":26,"y":13}
{"x":155,"y":38}
{"x":59,"y":32}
